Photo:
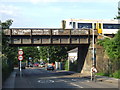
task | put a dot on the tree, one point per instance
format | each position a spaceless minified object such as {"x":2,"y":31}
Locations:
{"x":54,"y":53}
{"x":112,"y":48}
{"x":9,"y":54}
{"x":118,"y":17}
{"x":31,"y":52}
{"x":6,"y":24}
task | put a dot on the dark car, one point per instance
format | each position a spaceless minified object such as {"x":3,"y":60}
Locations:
{"x":30,"y":64}
{"x":50,"y":67}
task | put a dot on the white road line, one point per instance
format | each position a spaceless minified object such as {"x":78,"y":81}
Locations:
{"x":76,"y":85}
{"x":73,"y":84}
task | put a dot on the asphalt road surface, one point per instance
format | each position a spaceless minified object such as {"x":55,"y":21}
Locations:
{"x":41,"y":78}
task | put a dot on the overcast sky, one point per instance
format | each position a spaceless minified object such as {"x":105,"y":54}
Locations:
{"x":50,"y":13}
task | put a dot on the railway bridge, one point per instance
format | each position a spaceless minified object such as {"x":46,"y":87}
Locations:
{"x":48,"y":36}
{"x":53,"y":36}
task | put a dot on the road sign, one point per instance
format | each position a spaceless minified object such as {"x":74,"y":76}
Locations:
{"x":20,"y":58}
{"x":20,"y":52}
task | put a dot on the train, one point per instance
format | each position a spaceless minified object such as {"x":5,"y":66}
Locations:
{"x":106,"y":27}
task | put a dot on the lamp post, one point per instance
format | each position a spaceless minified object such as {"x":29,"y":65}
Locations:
{"x":93,"y":54}
{"x":93,"y":63}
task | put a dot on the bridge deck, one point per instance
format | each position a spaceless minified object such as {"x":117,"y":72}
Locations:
{"x":31,"y":36}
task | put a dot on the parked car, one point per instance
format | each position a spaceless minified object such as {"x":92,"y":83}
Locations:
{"x":36,"y":64}
{"x":42,"y":64}
{"x":30,"y":64}
{"x":50,"y":67}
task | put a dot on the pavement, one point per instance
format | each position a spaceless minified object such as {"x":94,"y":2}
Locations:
{"x":10,"y":82}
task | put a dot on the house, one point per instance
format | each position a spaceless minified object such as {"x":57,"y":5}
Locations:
{"x":72,"y":55}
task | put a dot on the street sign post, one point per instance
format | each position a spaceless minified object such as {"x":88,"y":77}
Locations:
{"x":20,"y":58}
{"x":20,"y":52}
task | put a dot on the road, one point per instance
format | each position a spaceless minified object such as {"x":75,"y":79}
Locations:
{"x":40,"y":78}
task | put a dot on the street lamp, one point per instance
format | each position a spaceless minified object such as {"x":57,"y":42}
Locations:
{"x":93,"y":57}
{"x":93,"y":63}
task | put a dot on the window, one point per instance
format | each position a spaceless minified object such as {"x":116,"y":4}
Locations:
{"x":111,"y":26}
{"x":73,"y":24}
{"x":99,"y":25}
{"x":85,"y":25}
{"x":70,"y":23}
{"x":94,"y":25}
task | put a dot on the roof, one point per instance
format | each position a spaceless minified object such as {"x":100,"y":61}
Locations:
{"x":73,"y":50}
{"x":93,"y":20}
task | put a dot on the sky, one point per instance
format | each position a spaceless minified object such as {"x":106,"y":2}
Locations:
{"x":50,"y":13}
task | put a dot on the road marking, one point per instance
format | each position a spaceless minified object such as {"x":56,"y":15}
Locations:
{"x":74,"y":80}
{"x":76,"y":85}
{"x":88,"y":81}
{"x":45,"y":81}
{"x":72,"y":84}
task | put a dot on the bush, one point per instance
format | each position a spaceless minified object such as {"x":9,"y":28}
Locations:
{"x":73,"y":66}
{"x":66,"y":65}
{"x":116,"y":74}
{"x":102,"y":74}
{"x":6,"y":68}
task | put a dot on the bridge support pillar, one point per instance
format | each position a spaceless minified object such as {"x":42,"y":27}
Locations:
{"x":82,"y":53}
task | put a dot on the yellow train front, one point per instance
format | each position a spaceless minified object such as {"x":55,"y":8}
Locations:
{"x":106,"y":27}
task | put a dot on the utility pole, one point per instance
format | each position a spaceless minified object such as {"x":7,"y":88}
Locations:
{"x":93,"y":55}
{"x":93,"y":63}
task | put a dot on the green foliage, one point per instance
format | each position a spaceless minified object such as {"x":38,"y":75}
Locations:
{"x":112,"y":48}
{"x":66,"y":65}
{"x":6,"y":24}
{"x":8,"y":53}
{"x":31,"y":52}
{"x":116,"y":74}
{"x":73,"y":66}
{"x":54,"y":53}
{"x":102,"y":74}
{"x":118,"y":17}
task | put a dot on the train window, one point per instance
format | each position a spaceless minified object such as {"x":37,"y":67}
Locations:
{"x":74,"y":25}
{"x":70,"y":23}
{"x":111,"y":26}
{"x":94,"y":25}
{"x":99,"y":25}
{"x":85,"y":25}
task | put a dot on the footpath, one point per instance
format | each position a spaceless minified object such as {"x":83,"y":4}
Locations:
{"x":10,"y":82}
